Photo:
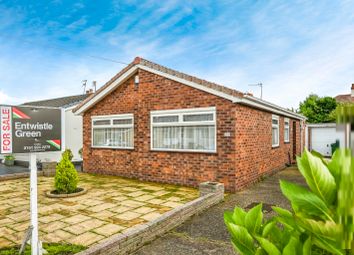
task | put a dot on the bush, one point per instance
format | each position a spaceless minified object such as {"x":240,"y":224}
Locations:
{"x":9,"y":157}
{"x":321,"y":221}
{"x":69,"y":153}
{"x":66,"y":177}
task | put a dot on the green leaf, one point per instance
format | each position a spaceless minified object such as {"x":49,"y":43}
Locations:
{"x":293,"y":247}
{"x":305,"y":200}
{"x":328,"y":245}
{"x":318,"y":177}
{"x":241,"y":239}
{"x":320,"y":156}
{"x":253,"y":220}
{"x":239,"y":216}
{"x":260,"y":251}
{"x":340,"y":158}
{"x":228,"y":217}
{"x":268,"y":227}
{"x":268,"y":246}
{"x":282,"y":212}
{"x":328,"y":229}
{"x":306,"y":248}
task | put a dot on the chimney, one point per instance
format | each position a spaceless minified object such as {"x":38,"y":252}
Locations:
{"x":94,"y":85}
{"x":352,"y":94}
{"x":89,"y":91}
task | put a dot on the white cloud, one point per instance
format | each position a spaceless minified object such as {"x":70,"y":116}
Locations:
{"x":6,"y":99}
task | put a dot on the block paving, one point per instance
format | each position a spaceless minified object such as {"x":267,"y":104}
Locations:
{"x":111,"y":206}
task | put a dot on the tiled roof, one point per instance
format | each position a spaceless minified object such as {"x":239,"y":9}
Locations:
{"x":222,"y":90}
{"x":226,"y":90}
{"x":345,"y":98}
{"x":147,"y":63}
{"x":62,"y":102}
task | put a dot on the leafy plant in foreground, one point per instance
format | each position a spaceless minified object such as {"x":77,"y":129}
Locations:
{"x":321,"y":219}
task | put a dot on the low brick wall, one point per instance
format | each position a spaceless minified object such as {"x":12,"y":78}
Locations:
{"x":49,"y":168}
{"x":14,"y":176}
{"x":211,"y":193}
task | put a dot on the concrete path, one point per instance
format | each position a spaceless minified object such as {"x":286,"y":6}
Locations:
{"x":206,"y":233}
{"x":5,"y":170}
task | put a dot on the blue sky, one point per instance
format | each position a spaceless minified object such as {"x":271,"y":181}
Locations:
{"x":293,"y":47}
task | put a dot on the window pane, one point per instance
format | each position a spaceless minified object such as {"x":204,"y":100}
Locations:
{"x":162,"y":119}
{"x":99,"y":137}
{"x":286,"y":135}
{"x":275,"y":137}
{"x":189,"y":138}
{"x":198,"y":117}
{"x":122,"y":121}
{"x":275,"y":122}
{"x":167,"y":137}
{"x":101,"y":122}
{"x":114,"y":137}
{"x":122,"y":137}
{"x":199,"y":138}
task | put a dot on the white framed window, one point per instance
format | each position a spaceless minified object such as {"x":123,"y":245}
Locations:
{"x":191,"y":130}
{"x":286,"y":130}
{"x":113,"y":131}
{"x":275,"y":131}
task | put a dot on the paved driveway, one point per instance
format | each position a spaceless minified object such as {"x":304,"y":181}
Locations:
{"x":112,"y":205}
{"x":206,"y":233}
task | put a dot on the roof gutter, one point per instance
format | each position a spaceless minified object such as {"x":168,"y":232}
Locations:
{"x":261,"y":104}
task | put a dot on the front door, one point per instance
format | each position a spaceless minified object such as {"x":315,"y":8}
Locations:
{"x":294,"y":140}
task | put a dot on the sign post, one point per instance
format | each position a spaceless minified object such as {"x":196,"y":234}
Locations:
{"x":34,"y":205}
{"x":27,"y":129}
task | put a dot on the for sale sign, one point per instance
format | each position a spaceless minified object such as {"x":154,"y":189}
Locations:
{"x":30,"y":129}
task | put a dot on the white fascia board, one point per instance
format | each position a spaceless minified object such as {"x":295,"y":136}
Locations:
{"x":268,"y":107}
{"x":107,"y":90}
{"x":189,"y":83}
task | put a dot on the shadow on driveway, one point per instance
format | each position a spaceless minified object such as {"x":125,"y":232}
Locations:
{"x":207,"y":234}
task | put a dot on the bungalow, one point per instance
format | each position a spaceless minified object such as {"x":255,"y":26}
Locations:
{"x":153,"y":123}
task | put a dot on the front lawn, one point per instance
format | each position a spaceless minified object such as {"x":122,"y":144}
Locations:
{"x":52,"y":249}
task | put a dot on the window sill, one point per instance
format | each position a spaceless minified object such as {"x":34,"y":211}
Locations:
{"x":112,"y":148}
{"x":184,"y":151}
{"x":287,"y":142}
{"x":275,"y":146}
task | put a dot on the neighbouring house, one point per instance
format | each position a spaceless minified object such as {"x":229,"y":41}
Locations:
{"x":72,"y":132}
{"x":156,"y":124}
{"x":346,"y":98}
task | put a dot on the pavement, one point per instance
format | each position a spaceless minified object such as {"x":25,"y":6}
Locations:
{"x":112,"y":205}
{"x":5,"y":170}
{"x":206,"y":233}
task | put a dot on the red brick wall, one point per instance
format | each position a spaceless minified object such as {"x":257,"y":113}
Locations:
{"x":255,"y":155}
{"x":157,"y":93}
{"x":240,"y":159}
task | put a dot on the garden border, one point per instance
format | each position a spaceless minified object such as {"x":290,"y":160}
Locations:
{"x":211,"y":193}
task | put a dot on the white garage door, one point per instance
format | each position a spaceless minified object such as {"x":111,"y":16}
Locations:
{"x":322,"y":138}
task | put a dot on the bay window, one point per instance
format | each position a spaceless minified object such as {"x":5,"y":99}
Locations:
{"x":113,"y":131}
{"x":184,"y":130}
{"x":275,"y":131}
{"x":286,"y":130}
